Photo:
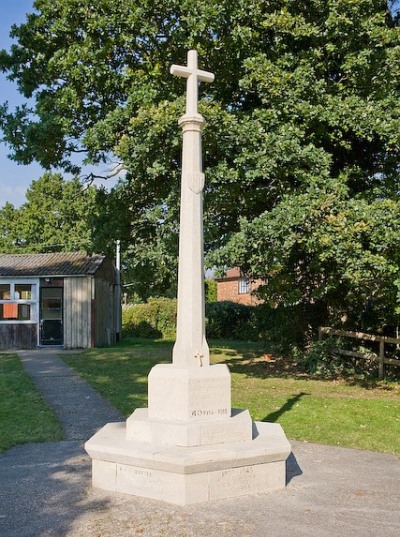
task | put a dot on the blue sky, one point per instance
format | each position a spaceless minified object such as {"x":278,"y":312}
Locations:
{"x":14,"y":178}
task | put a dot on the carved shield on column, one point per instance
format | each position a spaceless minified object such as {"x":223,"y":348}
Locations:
{"x":195,"y":181}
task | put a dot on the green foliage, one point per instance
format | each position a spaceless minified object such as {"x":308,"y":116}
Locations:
{"x":228,"y":320}
{"x":156,"y":318}
{"x":153,"y":319}
{"x":285,"y":326}
{"x":210,"y":287}
{"x":55,"y":217}
{"x":322,"y":358}
{"x":301,"y":147}
{"x":329,"y":251}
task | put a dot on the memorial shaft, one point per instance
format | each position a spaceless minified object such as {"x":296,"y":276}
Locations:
{"x":191,"y":347}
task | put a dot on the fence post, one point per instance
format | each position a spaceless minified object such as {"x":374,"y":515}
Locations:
{"x":381,"y":358}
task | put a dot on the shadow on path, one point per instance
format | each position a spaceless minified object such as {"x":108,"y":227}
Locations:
{"x":44,"y":489}
{"x":292,"y":467}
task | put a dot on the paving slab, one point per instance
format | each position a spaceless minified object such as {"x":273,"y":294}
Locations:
{"x":45,"y":491}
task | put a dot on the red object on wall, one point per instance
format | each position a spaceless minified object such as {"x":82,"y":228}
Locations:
{"x":10,"y":311}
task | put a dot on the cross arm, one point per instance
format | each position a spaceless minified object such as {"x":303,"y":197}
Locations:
{"x":186,"y":72}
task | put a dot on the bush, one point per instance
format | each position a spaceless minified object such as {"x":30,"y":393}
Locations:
{"x":229,"y":320}
{"x":323,"y":358}
{"x":210,"y":290}
{"x":283,"y":327}
{"x":154,"y":319}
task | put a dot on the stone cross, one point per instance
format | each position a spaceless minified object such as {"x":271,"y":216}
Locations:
{"x":193,"y":75}
{"x":191,"y":349}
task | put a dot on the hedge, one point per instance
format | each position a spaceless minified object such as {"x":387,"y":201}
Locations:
{"x":154,"y":319}
{"x":283,"y":326}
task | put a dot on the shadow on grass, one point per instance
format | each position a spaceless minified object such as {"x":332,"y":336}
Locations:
{"x":292,"y":466}
{"x":287,"y":407}
{"x":258,"y":363}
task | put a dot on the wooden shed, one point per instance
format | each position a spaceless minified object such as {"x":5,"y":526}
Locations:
{"x":61,"y":299}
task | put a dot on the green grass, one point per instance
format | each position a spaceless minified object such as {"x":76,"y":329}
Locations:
{"x":24,"y":414}
{"x":346,"y":412}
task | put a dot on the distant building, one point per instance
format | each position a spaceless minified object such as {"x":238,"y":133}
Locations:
{"x":59,"y":299}
{"x":236,"y":287}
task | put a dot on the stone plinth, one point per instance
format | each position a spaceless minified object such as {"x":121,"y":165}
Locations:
{"x":189,"y":394}
{"x":189,"y":407}
{"x":237,"y":428}
{"x":189,"y":475}
{"x":189,"y":446}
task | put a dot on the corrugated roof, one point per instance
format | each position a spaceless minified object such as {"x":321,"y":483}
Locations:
{"x":56,"y":264}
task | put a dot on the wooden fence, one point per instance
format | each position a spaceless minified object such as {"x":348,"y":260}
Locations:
{"x":380,"y":358}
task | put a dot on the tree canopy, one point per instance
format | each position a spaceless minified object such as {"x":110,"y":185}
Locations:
{"x":57,"y":217}
{"x":301,"y":146}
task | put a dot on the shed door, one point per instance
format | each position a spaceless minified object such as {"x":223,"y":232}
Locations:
{"x":51,"y":316}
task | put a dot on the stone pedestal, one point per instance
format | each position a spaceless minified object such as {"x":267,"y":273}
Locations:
{"x":189,"y":446}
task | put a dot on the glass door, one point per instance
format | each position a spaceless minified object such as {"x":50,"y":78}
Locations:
{"x":51,"y":321}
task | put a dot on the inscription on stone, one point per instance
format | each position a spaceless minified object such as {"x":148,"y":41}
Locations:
{"x":202,"y":413}
{"x":239,"y":479}
{"x":207,"y":399}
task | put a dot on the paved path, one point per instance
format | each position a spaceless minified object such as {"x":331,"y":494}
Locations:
{"x":45,"y":489}
{"x":80,"y":409}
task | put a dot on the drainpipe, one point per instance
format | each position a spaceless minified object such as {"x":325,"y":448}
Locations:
{"x":118,"y":292}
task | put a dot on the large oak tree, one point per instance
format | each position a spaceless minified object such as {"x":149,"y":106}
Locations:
{"x":301,"y":146}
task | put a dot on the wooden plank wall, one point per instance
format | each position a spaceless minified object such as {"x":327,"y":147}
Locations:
{"x":18,"y":336}
{"x":104,"y":308}
{"x":77,"y":312}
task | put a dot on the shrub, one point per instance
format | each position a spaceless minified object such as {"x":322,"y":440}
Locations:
{"x":288,"y":326}
{"x":229,"y":320}
{"x":154,"y":319}
{"x":210,"y":289}
{"x":323,"y":358}
{"x":283,"y":327}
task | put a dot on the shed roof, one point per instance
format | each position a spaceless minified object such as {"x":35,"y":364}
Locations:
{"x":50,"y":265}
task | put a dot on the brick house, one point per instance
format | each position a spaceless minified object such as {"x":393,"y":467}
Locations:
{"x":235,"y":287}
{"x":60,"y":299}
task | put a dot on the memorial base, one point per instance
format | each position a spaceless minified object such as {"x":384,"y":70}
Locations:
{"x":189,"y":475}
{"x":189,"y":446}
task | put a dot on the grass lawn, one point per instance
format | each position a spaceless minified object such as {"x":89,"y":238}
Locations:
{"x":24,"y":414}
{"x":346,"y":412}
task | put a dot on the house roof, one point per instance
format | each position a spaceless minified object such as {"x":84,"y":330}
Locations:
{"x":50,"y":265}
{"x":231,"y":274}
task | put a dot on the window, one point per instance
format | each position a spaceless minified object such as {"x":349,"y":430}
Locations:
{"x":23,"y":292}
{"x":15,"y":312}
{"x":5,"y":292}
{"x":18,"y":301}
{"x":244,"y":286}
